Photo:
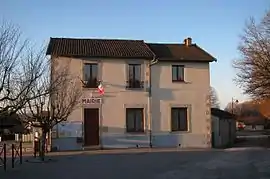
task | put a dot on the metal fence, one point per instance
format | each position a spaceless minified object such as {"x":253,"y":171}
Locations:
{"x":25,"y":137}
{"x":10,"y":149}
{"x":3,"y":155}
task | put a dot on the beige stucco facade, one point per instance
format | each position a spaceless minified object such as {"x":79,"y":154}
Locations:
{"x":193,"y":93}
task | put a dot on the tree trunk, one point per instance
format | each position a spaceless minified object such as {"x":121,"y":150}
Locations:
{"x":43,"y":144}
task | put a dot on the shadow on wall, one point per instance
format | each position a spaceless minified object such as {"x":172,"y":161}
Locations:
{"x":114,"y":137}
{"x":161,"y":94}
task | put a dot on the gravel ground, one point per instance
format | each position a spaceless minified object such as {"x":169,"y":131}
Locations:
{"x":248,"y":163}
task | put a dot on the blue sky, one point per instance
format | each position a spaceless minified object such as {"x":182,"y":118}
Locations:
{"x":215,"y":25}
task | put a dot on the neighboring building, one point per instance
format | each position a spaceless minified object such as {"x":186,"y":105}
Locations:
{"x":252,"y":114}
{"x":9,"y":126}
{"x":177,"y":114}
{"x":223,"y":128}
{"x":252,"y":118}
{"x":258,"y":126}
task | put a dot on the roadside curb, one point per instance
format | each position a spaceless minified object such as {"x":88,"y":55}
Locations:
{"x":124,"y":151}
{"x":246,"y":149}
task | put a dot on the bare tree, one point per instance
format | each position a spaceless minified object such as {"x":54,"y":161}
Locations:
{"x":233,"y":107}
{"x":58,"y":94}
{"x":253,"y":68}
{"x":20,"y":68}
{"x":214,"y":98}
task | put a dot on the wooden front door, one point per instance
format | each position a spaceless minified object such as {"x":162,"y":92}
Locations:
{"x":91,"y":126}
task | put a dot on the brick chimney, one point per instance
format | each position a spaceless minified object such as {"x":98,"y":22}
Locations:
{"x":188,"y":41}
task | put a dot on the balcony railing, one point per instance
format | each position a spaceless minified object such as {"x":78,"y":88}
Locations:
{"x":90,"y":84}
{"x":134,"y":84}
{"x":130,"y":84}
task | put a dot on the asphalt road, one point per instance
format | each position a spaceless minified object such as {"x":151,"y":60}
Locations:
{"x":170,"y":164}
{"x":249,"y":159}
{"x":253,"y":139}
{"x":250,"y":133}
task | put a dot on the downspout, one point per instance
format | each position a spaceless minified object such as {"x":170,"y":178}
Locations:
{"x":152,"y":62}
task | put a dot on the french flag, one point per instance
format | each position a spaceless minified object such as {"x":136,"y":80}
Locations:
{"x":100,"y":89}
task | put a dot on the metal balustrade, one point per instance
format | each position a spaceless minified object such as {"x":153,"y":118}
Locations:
{"x":14,"y":149}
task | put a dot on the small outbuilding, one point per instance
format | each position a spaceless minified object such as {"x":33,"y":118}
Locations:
{"x":223,"y":128}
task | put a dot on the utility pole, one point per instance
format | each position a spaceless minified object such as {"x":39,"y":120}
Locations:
{"x":236,"y":101}
{"x":152,"y":62}
{"x":232,"y":106}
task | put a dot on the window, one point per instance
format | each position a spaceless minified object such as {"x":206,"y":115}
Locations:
{"x":90,"y":75}
{"x":177,"y":73}
{"x":179,"y":121}
{"x":134,"y":76}
{"x":134,"y":120}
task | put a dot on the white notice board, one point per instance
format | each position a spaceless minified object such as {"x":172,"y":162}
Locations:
{"x":70,"y":129}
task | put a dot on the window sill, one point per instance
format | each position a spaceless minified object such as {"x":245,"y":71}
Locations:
{"x":180,"y":132}
{"x":89,"y":87}
{"x":135,"y":133}
{"x":135,"y":89}
{"x":179,"y":81}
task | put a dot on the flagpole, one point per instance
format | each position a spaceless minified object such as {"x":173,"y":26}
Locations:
{"x":101,"y":92}
{"x":101,"y":123}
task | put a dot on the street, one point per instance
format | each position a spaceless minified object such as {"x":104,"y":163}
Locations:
{"x":248,"y":164}
{"x":249,"y":159}
{"x":253,"y":139}
{"x":252,"y":133}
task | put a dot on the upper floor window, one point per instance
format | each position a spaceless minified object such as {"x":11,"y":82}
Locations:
{"x":91,"y":75}
{"x":134,"y":120}
{"x":179,"y":120}
{"x":134,"y":76}
{"x":178,"y":73}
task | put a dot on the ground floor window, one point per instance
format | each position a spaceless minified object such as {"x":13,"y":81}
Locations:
{"x":134,"y":120}
{"x":179,"y":119}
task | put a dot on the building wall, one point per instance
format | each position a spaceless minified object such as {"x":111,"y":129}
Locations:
{"x":193,"y":93}
{"x":257,"y":127}
{"x":113,"y":73}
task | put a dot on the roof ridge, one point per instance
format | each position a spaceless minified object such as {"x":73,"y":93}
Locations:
{"x":103,"y":39}
{"x":167,"y":43}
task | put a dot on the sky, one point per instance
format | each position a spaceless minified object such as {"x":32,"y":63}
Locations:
{"x":214,"y":25}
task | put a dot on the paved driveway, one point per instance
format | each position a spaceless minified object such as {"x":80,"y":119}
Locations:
{"x":240,"y":163}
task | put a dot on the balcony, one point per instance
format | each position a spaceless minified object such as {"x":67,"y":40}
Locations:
{"x":134,"y":84}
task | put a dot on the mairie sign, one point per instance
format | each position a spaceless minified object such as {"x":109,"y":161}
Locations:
{"x":91,"y":101}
